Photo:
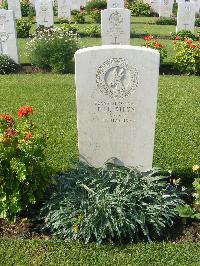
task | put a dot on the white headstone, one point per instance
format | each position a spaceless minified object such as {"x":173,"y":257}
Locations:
{"x":165,"y":8}
{"x":185,"y":16}
{"x":197,"y":6}
{"x":16,"y":7}
{"x":115,"y":26}
{"x":64,"y":9}
{"x":116,"y":104}
{"x":155,"y":5}
{"x":75,"y":5}
{"x":44,"y":12}
{"x":115,"y":4}
{"x":8,"y":37}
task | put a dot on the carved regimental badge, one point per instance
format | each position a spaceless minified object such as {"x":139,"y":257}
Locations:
{"x":115,"y":19}
{"x":116,"y":78}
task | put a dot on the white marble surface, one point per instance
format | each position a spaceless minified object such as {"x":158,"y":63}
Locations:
{"x":64,"y":9}
{"x":155,"y":5}
{"x":115,"y":26}
{"x":165,"y":8}
{"x":44,"y":12}
{"x":197,"y":6}
{"x":116,"y":104}
{"x":16,"y":7}
{"x":115,"y":4}
{"x":8,"y":37}
{"x":185,"y":16}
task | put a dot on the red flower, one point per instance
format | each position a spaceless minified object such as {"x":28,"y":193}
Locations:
{"x":188,"y":41}
{"x":25,"y":111}
{"x":148,"y":37}
{"x":29,"y":135}
{"x":11,"y":133}
{"x":192,"y":46}
{"x":8,"y":118}
{"x":158,"y":44}
{"x":178,"y":38}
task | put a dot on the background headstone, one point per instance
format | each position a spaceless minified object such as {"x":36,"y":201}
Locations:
{"x":8,"y":37}
{"x":16,"y":7}
{"x":165,"y":8}
{"x":115,"y":4}
{"x":185,"y":16}
{"x":155,"y":5}
{"x":76,"y":5}
{"x":64,"y":9}
{"x":44,"y":12}
{"x":115,"y":26}
{"x":116,"y":104}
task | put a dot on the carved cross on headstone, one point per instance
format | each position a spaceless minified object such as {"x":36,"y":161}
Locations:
{"x":115,"y":41}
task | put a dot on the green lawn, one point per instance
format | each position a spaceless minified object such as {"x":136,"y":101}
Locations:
{"x":23,"y":252}
{"x":53,"y":99}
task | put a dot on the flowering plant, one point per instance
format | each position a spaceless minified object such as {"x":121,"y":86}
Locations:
{"x":187,"y":57}
{"x":96,"y":15}
{"x":7,"y":65}
{"x":152,"y":42}
{"x":23,"y":168}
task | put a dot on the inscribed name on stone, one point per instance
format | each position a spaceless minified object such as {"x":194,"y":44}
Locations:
{"x":115,"y":26}
{"x":8,"y":37}
{"x":115,"y":4}
{"x":15,"y":6}
{"x":116,"y":104}
{"x":165,"y":9}
{"x":44,"y":13}
{"x":64,"y":9}
{"x":185,"y":16}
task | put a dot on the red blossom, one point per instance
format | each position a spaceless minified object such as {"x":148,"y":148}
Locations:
{"x":29,"y":135}
{"x":8,"y":118}
{"x":11,"y":133}
{"x":158,"y":44}
{"x":148,"y":37}
{"x":178,"y":38}
{"x":192,"y":46}
{"x":188,"y":41}
{"x":25,"y":111}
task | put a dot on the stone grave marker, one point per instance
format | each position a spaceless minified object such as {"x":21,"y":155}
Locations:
{"x":197,"y":6}
{"x":155,"y":5}
{"x":75,"y":5}
{"x":185,"y":16}
{"x":116,"y":104}
{"x":44,"y":13}
{"x":115,"y":26}
{"x":8,"y":36}
{"x":115,"y":4}
{"x":165,"y":8}
{"x":16,"y":7}
{"x":64,"y":9}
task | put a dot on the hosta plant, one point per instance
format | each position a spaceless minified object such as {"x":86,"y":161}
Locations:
{"x":112,"y":203}
{"x":23,"y":168}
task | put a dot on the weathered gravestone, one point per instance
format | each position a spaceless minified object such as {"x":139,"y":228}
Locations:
{"x":16,"y":7}
{"x":75,"y":5}
{"x":64,"y":9}
{"x":165,"y":8}
{"x":115,"y":26}
{"x":155,"y":5}
{"x":44,"y":13}
{"x":197,"y":6}
{"x":185,"y":16}
{"x":115,"y":4}
{"x":8,"y":37}
{"x":116,"y":104}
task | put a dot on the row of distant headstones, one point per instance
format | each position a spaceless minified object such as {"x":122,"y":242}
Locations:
{"x":115,"y":24}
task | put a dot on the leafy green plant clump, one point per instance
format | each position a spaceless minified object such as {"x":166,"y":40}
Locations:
{"x":23,"y":27}
{"x":183,"y":35}
{"x":95,"y":5}
{"x":79,"y":16}
{"x":92,"y":31}
{"x":112,"y":203}
{"x":7,"y":65}
{"x":140,"y":9}
{"x":23,"y":168}
{"x":166,"y":21}
{"x":53,"y":49}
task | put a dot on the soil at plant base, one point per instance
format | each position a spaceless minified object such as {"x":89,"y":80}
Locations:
{"x":23,"y":228}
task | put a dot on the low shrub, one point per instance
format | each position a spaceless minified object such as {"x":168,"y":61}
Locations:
{"x":95,"y":5}
{"x":23,"y":168}
{"x":53,"y":49}
{"x":79,"y":17}
{"x":27,"y":9}
{"x":166,"y":21}
{"x":23,"y":27}
{"x":110,"y":203}
{"x":4,"y":4}
{"x":63,"y":21}
{"x":7,"y":65}
{"x":140,"y":9}
{"x":187,"y":56}
{"x":183,"y":35}
{"x":197,"y":22}
{"x":152,"y":42}
{"x":96,"y":16}
{"x":92,"y":31}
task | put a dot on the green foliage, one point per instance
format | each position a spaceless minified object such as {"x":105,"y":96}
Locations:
{"x":4,"y":4}
{"x":175,"y":9}
{"x":23,"y":27}
{"x":93,"y":31}
{"x":23,"y":168}
{"x":152,"y":42}
{"x":166,"y":21}
{"x":7,"y":65}
{"x":197,"y":22}
{"x":110,"y":203}
{"x":183,"y":35}
{"x":63,"y":21}
{"x":53,"y":49}
{"x":27,"y":9}
{"x":187,"y":56}
{"x":186,"y":211}
{"x":95,"y":5}
{"x":96,"y":16}
{"x":196,"y":195}
{"x":79,"y":17}
{"x":140,"y":9}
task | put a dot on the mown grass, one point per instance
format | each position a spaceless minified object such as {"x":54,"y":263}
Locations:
{"x":24,"y":252}
{"x":53,"y":99}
